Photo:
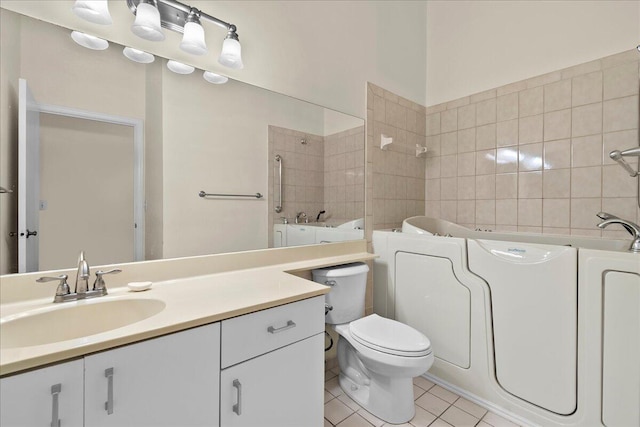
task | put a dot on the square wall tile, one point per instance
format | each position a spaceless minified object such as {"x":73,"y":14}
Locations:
{"x":486,"y":112}
{"x":466,"y":164}
{"x":583,"y":213}
{"x":507,"y":212}
{"x":530,"y":129}
{"x":530,"y":157}
{"x":449,"y":166}
{"x":557,"y":125}
{"x":530,"y":212}
{"x":556,"y":183}
{"x":449,"y":143}
{"x":507,"y":107}
{"x":586,"y":120}
{"x":466,"y":140}
{"x":621,"y":81}
{"x":531,"y":102}
{"x":507,"y":159}
{"x":449,"y":189}
{"x":530,"y":185}
{"x":467,"y":116}
{"x":485,"y":187}
{"x":507,"y":133}
{"x":616,"y":182}
{"x":433,"y":124}
{"x":449,"y":120}
{"x":556,"y":213}
{"x":485,"y":162}
{"x":586,"y":89}
{"x":485,"y":212}
{"x":586,"y":151}
{"x":557,"y":96}
{"x":620,"y":114}
{"x":586,"y":182}
{"x":507,"y":186}
{"x":616,"y":140}
{"x":466,"y":212}
{"x":557,"y":154}
{"x":466,"y":188}
{"x":486,"y":137}
{"x":448,"y":212}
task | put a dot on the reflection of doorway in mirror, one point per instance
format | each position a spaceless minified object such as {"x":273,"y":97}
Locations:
{"x":86,"y":191}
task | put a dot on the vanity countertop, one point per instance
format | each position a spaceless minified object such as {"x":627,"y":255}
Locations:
{"x":189,"y":302}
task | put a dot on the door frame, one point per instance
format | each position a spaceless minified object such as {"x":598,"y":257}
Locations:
{"x":138,"y":163}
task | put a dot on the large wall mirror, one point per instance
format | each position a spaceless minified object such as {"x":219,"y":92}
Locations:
{"x":121,"y":198}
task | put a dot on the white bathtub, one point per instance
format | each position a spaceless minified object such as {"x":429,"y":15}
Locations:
{"x":543,"y":329}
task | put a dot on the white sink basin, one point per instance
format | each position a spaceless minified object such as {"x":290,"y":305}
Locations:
{"x":73,"y":320}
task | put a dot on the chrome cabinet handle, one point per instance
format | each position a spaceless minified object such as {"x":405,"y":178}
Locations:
{"x":290,"y":324}
{"x":237,"y":408}
{"x":55,"y":415}
{"x":108,"y":405}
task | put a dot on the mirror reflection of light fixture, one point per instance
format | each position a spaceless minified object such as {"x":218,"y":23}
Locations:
{"x":193,"y":38}
{"x":231,"y":55}
{"x":148,"y":21}
{"x":138,"y":55}
{"x":179,"y":67}
{"x":89,"y":41}
{"x":214,"y":78}
{"x":96,"y":11}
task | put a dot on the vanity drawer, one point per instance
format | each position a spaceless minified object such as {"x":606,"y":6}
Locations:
{"x":251,"y":335}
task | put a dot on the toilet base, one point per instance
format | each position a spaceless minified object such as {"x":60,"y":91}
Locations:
{"x":390,"y":399}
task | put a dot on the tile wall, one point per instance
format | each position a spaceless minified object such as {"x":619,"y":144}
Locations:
{"x":344,"y":175}
{"x":532,"y":156}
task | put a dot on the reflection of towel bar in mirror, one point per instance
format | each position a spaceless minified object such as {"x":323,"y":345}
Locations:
{"x":278,"y":159}
{"x":255,"y":196}
{"x":4,"y":190}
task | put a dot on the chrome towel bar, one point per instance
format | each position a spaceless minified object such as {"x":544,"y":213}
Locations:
{"x":255,"y":196}
{"x":279,"y":160}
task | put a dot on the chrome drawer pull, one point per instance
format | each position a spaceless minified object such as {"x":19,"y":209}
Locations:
{"x":237,"y":408}
{"x":290,"y":324}
{"x":108,"y":405}
{"x":55,"y":393}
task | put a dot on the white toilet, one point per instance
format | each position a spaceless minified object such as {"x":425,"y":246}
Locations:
{"x":378,"y":357}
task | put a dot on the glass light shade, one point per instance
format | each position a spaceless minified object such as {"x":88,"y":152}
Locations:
{"x":193,"y":39}
{"x":138,"y":55}
{"x":231,"y":55}
{"x":89,"y":41}
{"x":214,"y":78}
{"x":147,"y":23}
{"x":179,"y":67}
{"x":96,"y":11}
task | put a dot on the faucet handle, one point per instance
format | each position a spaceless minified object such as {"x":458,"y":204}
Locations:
{"x":63,"y":286}
{"x":99,"y":284}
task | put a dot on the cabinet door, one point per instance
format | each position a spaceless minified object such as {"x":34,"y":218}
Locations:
{"x":51,"y":396}
{"x":168,"y":381}
{"x":283,"y":388}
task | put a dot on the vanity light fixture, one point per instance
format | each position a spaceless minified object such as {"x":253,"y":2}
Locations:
{"x":147,"y":23}
{"x":89,"y":41}
{"x":193,"y":38}
{"x":138,"y":55}
{"x":179,"y":67}
{"x":96,"y":11}
{"x":214,"y":78}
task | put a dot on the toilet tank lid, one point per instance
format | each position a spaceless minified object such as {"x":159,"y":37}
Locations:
{"x":344,"y":270}
{"x":389,"y":334}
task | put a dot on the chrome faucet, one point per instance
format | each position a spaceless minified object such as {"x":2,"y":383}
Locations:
{"x":82,"y":291}
{"x":632,"y":228}
{"x":300,"y":217}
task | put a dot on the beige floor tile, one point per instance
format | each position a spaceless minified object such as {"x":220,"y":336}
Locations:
{"x":483,"y":424}
{"x":336,"y":370}
{"x":470,"y":407}
{"x":432,"y":403}
{"x":458,"y":418}
{"x":349,"y":402}
{"x":444,"y":394}
{"x":422,"y":418}
{"x":377,"y":422}
{"x":354,"y":420}
{"x":336,"y":411}
{"x":327,"y":423}
{"x":497,"y":421}
{"x":417,"y":392}
{"x":328,"y":374}
{"x":328,"y":396}
{"x":440,"y":423}
{"x":423,"y":383}
{"x":333,"y":387}
{"x":397,"y":425}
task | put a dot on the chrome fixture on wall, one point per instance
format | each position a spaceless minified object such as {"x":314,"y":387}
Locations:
{"x":153,"y":15}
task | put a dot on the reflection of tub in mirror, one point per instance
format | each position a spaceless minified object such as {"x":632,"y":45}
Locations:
{"x":307,"y":234}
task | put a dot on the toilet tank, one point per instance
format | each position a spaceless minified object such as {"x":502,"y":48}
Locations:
{"x":348,"y":284}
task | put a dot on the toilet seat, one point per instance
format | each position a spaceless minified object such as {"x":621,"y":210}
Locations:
{"x":389,"y":336}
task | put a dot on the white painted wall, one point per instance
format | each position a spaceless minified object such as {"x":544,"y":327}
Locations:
{"x":320,"y":51}
{"x":479,"y":45}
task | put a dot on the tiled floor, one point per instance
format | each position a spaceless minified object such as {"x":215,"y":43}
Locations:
{"x":435,"y":407}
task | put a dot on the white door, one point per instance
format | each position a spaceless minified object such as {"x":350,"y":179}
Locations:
{"x":168,"y":381}
{"x":28,"y":179}
{"x":283,"y":388}
{"x":43,"y":396}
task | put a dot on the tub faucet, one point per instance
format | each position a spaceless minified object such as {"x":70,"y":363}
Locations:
{"x":301,"y":217}
{"x":632,"y":228}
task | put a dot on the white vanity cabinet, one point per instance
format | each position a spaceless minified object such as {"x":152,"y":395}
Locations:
{"x":50,"y":396}
{"x":167,"y":381}
{"x":272,"y":367}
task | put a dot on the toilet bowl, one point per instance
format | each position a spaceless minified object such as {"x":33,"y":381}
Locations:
{"x":378,"y":357}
